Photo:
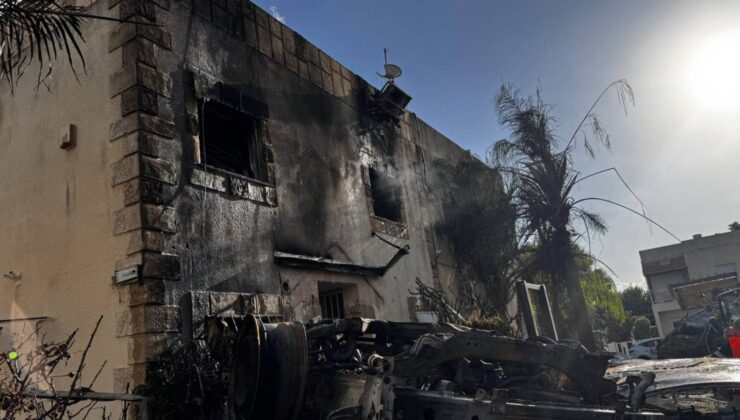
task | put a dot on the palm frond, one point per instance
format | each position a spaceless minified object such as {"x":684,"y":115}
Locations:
{"x":39,"y":32}
{"x":34,"y":30}
{"x":626,"y":98}
{"x":593,"y":221}
{"x":530,"y":124}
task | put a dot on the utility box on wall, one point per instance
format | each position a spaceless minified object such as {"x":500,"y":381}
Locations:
{"x":68,"y":138}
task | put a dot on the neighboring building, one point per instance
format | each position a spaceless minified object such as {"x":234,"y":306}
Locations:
{"x":684,"y":277}
{"x":223,"y":165}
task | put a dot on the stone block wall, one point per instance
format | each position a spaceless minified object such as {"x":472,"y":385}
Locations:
{"x":146,"y":178}
{"x":149,"y":176}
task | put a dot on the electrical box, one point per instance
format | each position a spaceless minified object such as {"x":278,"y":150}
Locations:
{"x":68,"y":137}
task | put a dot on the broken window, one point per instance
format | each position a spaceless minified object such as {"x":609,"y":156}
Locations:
{"x":332,"y":303}
{"x":386,"y":195}
{"x":231,"y":140}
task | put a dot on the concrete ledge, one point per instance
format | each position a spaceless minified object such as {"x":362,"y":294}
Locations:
{"x":159,"y":169}
{"x":147,"y":144}
{"x":164,"y":4}
{"x":389,"y":227}
{"x":148,"y":292}
{"x":146,"y":190}
{"x":139,"y":50}
{"x":139,"y":99}
{"x":140,"y":74}
{"x":143,"y":348}
{"x":154,"y":266}
{"x":129,"y":260}
{"x":139,"y":121}
{"x":125,"y":169}
{"x":146,"y":240}
{"x":148,"y":319}
{"x":158,"y":217}
{"x":160,"y":266}
{"x":210,"y":180}
{"x":127,"y":32}
{"x":127,"y":378}
{"x":146,"y":216}
{"x":133,"y":8}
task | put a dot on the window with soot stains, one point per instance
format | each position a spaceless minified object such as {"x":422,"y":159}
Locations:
{"x":332,"y":304}
{"x":386,"y":195}
{"x":231,"y":140}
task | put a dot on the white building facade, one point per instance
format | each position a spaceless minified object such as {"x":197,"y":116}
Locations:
{"x":684,"y":277}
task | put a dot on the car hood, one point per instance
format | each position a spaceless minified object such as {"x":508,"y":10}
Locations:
{"x":681,"y":373}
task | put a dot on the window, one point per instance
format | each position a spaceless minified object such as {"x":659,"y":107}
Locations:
{"x":661,"y":284}
{"x":386,"y":196}
{"x":232,"y":140}
{"x":332,"y":303}
{"x":728,"y":268}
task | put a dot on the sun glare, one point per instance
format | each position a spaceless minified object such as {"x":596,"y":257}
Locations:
{"x":713,"y":71}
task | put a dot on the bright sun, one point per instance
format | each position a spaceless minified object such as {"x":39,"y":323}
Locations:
{"x":713,"y":71}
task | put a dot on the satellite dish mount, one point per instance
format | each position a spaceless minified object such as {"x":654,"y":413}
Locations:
{"x":392,"y":71}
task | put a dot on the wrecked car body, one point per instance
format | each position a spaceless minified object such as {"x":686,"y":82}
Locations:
{"x":371,"y":369}
{"x":704,"y":332}
{"x":684,"y":388}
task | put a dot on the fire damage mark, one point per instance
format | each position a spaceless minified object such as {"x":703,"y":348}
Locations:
{"x":478,"y":220}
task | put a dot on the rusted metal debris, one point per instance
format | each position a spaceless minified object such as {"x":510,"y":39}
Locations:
{"x":371,"y":369}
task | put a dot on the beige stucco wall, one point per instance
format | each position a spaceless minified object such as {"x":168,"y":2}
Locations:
{"x":56,"y":206}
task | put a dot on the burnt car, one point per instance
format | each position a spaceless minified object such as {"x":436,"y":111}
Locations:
{"x":704,"y":332}
{"x":372,"y":369}
{"x":683,"y":388}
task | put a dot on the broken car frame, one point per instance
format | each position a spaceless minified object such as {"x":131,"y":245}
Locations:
{"x":371,"y":369}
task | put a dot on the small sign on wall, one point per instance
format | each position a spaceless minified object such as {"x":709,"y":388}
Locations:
{"x":68,"y":137}
{"x":127,"y":275}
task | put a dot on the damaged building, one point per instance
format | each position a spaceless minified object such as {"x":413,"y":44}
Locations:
{"x":214,"y":165}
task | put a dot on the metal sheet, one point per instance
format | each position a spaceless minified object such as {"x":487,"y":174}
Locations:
{"x":682,"y":373}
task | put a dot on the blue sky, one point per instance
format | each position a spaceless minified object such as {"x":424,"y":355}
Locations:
{"x":678,"y":147}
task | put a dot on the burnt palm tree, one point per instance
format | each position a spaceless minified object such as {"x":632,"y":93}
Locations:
{"x":35,"y":33}
{"x":540,"y":176}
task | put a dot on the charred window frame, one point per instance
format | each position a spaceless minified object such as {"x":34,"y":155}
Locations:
{"x":232,"y":140}
{"x":332,"y":303}
{"x":218,"y":115}
{"x":385,"y":192}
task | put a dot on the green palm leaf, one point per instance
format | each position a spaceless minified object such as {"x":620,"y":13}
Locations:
{"x":38,"y":32}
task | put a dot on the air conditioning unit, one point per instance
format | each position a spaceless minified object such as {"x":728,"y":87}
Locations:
{"x":391,"y":101}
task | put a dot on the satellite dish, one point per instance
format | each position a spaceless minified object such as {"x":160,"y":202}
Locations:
{"x":391,"y":70}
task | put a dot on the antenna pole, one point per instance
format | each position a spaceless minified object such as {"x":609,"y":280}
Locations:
{"x":385,"y":55}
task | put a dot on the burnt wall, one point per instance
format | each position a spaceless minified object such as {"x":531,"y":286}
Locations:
{"x":470,"y":217}
{"x":320,"y":139}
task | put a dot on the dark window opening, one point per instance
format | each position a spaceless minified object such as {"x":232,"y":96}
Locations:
{"x":332,"y":303}
{"x":232,"y":140}
{"x":386,"y":194}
